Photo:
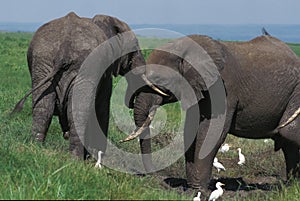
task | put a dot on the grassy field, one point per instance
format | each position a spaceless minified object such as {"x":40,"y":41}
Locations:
{"x":33,"y":171}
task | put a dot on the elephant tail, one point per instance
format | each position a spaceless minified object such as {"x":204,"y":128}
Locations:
{"x":20,"y":104}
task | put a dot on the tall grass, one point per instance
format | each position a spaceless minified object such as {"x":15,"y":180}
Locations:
{"x":46,"y":171}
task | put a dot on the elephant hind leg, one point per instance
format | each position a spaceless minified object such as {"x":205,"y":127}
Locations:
{"x":289,"y":139}
{"x":43,"y":104}
{"x":291,"y":155}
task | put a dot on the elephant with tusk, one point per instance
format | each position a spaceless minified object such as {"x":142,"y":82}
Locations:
{"x":249,"y":89}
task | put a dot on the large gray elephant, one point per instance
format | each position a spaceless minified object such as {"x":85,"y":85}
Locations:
{"x":253,"y":86}
{"x":55,"y":55}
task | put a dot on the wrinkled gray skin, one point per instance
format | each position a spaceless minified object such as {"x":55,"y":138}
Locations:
{"x":262,"y":82}
{"x":55,"y":54}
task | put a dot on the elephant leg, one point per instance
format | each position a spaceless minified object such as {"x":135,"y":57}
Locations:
{"x":289,"y":140}
{"x":102,"y":106}
{"x":190,"y":132}
{"x":43,"y":104}
{"x":76,"y":146}
{"x":64,"y":124}
{"x":199,"y":170}
{"x":291,"y":155}
{"x":145,"y":144}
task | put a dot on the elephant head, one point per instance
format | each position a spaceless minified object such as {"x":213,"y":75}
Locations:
{"x":118,"y":55}
{"x":181,"y":70}
{"x":113,"y":27}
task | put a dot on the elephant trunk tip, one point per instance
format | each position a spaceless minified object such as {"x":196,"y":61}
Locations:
{"x":140,"y":130}
{"x":130,"y":137}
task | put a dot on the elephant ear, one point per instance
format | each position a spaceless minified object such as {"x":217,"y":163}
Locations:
{"x":110,"y":25}
{"x":199,"y":71}
{"x":193,"y":83}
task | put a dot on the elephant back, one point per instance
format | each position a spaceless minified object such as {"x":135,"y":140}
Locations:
{"x":214,"y":49}
{"x":260,"y":53}
{"x":68,"y":39}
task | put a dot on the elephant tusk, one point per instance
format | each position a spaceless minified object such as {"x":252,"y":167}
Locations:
{"x":146,"y":124}
{"x":292,"y":118}
{"x":152,"y":86}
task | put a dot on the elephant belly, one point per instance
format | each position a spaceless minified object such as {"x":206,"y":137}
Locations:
{"x":255,"y":125}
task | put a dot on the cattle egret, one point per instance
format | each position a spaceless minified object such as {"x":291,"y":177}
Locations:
{"x":218,"y":165}
{"x":197,"y":198}
{"x":98,"y":163}
{"x":241,"y":157}
{"x":216,"y":193}
{"x":225,"y":148}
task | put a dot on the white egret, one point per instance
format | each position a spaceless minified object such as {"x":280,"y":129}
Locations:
{"x":218,"y":165}
{"x":98,"y":163}
{"x":241,"y":157}
{"x":216,"y":193}
{"x":197,"y":198}
{"x":225,"y":148}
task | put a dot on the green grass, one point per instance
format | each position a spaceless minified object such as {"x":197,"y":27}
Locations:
{"x":34,"y":171}
{"x":295,"y":48}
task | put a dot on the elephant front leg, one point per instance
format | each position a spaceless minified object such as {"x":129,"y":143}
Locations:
{"x":198,"y":166}
{"x":198,"y":171}
{"x":96,"y":138}
{"x":145,"y":144}
{"x":43,"y":104}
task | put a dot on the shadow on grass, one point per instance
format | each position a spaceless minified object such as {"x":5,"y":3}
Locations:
{"x":231,"y":184}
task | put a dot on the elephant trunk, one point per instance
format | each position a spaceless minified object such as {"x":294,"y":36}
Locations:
{"x":144,"y":110}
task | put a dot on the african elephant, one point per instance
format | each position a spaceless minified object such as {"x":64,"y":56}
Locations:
{"x":254,"y":86}
{"x":55,"y":55}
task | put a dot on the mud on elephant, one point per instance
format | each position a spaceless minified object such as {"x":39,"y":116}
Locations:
{"x":253,"y":86}
{"x":55,"y":55}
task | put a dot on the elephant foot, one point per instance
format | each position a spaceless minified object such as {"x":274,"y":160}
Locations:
{"x":39,"y":137}
{"x":77,"y":151}
{"x":66,"y":135}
